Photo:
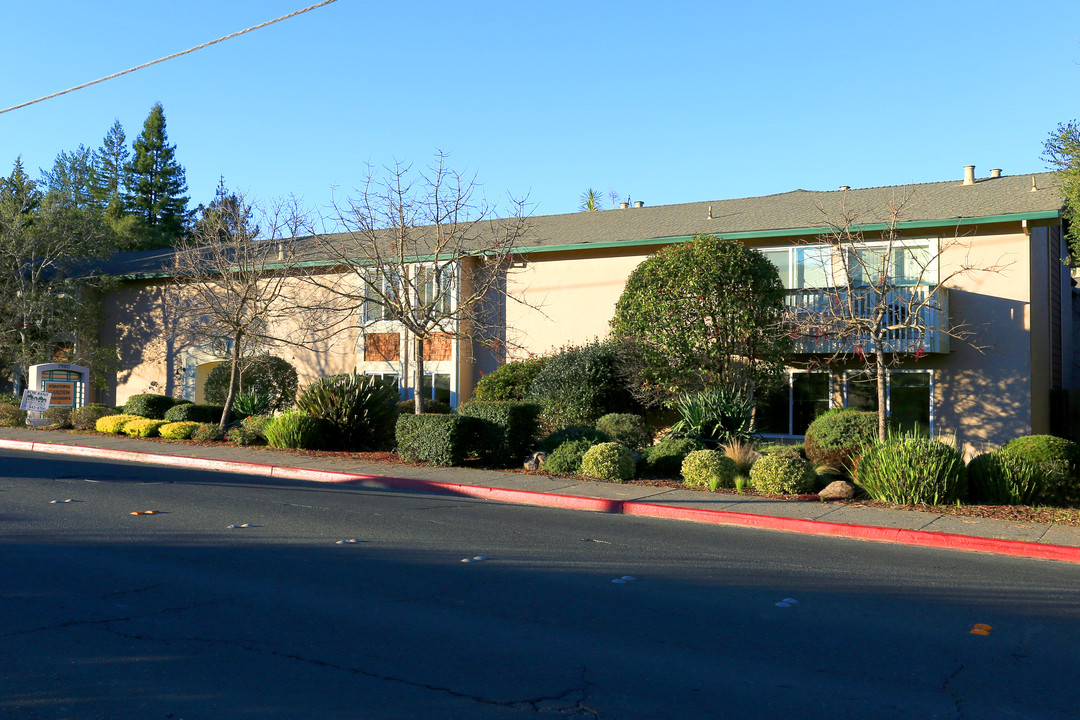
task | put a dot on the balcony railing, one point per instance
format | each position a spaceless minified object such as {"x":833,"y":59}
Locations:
{"x":826,"y":322}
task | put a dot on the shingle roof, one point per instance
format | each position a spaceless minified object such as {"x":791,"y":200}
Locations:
{"x":801,"y":209}
{"x":798,"y":210}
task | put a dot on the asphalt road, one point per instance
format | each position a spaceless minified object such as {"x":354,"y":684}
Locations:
{"x":104,"y":614}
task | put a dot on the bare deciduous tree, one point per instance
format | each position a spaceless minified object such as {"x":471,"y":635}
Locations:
{"x":239,"y":286}
{"x":425,"y":251}
{"x":882,"y":298}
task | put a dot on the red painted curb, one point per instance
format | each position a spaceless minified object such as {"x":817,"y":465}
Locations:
{"x":919,"y":538}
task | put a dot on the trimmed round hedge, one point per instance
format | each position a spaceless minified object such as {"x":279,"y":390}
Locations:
{"x":608,"y":461}
{"x":834,"y":439}
{"x":149,"y":405}
{"x":710,"y":469}
{"x":566,"y":459}
{"x":782,"y":475}
{"x":114,"y":424}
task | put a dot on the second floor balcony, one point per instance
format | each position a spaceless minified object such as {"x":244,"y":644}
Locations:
{"x":908,"y":319}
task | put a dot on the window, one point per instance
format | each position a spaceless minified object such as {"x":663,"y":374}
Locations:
{"x":437,"y":387}
{"x":433,"y":287}
{"x":389,"y":380}
{"x":908,"y":395}
{"x":791,"y":409}
{"x":905,"y":265}
{"x":811,"y":266}
{"x":379,"y":289}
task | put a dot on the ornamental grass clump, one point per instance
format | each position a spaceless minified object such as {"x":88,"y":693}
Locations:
{"x":1004,"y":478}
{"x":715,"y":416}
{"x":782,"y":475}
{"x":143,"y":427}
{"x":1057,"y":459}
{"x":296,"y":430}
{"x":610,"y":461}
{"x":114,"y":424}
{"x":710,"y":469}
{"x":908,"y":469}
{"x":178,"y":430}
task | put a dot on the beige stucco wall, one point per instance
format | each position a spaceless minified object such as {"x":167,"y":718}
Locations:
{"x":982,"y":397}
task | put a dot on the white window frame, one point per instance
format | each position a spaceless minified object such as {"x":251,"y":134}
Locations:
{"x":790,"y":282}
{"x":791,"y":373}
{"x":888,"y":389}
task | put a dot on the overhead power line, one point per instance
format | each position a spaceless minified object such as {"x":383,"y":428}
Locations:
{"x":168,"y":57}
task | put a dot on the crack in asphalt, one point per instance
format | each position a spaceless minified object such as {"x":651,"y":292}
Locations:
{"x":570,"y":703}
{"x":106,"y":621}
{"x":957,"y":700}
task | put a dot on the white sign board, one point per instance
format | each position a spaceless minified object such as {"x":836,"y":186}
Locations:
{"x":35,"y":400}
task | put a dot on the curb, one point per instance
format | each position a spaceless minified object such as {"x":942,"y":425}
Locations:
{"x":900,"y":536}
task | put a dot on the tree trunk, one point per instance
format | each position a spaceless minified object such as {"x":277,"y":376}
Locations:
{"x":234,"y":377}
{"x":882,"y":396}
{"x":418,"y":376}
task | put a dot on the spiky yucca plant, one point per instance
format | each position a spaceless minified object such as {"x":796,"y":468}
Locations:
{"x":362,"y":411}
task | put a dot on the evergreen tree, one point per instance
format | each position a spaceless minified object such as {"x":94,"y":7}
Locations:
{"x":108,"y":169}
{"x":227,"y":217}
{"x":156,"y":185}
{"x":70,"y":182}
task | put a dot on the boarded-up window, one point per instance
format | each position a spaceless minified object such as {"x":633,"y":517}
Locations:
{"x":437,"y":347}
{"x":382,"y":346}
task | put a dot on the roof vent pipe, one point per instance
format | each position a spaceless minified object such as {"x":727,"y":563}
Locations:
{"x":639,"y":204}
{"x":995,"y":173}
{"x":969,"y":174}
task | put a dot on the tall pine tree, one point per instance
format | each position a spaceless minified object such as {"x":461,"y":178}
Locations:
{"x":108,"y":169}
{"x":156,"y":185}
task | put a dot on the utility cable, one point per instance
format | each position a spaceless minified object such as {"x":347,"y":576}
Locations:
{"x":168,"y":57}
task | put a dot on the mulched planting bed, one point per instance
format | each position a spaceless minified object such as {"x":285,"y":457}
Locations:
{"x":1011,"y":513}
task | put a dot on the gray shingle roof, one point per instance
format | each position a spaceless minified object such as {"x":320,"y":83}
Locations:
{"x":796,"y":210}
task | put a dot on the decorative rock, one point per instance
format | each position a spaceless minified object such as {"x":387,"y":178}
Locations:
{"x":839,"y":490}
{"x":536,"y":461}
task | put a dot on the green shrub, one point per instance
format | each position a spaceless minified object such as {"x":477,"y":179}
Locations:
{"x":208,"y":432}
{"x":178,"y":430}
{"x":709,"y":469}
{"x":834,"y":438}
{"x":629,"y":429}
{"x":608,"y":461}
{"x":189,"y":412}
{"x":114,"y":423}
{"x":243,"y":436}
{"x":12,"y":416}
{"x":782,"y":449}
{"x":572,"y":432}
{"x":715,"y":416}
{"x":437,"y":439}
{"x":359,"y":410}
{"x":664,"y":460}
{"x":505,"y":431}
{"x":143,"y":427}
{"x":782,"y":475}
{"x":257,"y":424}
{"x":86,"y":417}
{"x":1059,"y":461}
{"x":297,"y":430}
{"x":1003,"y":478}
{"x":58,"y":417}
{"x":10,"y":399}
{"x":581,"y":384}
{"x":511,"y":381}
{"x":434,"y":407}
{"x":263,"y":374}
{"x":911,"y":470}
{"x":148,"y":405}
{"x":566,"y":458}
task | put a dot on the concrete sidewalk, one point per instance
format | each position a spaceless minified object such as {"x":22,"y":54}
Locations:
{"x":1035,"y":540}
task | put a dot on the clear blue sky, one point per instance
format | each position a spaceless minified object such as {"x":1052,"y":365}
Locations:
{"x":665,"y":103}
